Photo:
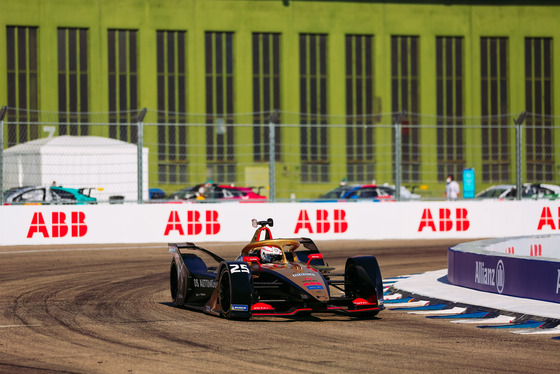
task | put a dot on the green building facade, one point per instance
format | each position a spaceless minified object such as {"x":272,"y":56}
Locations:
{"x":333,"y":75}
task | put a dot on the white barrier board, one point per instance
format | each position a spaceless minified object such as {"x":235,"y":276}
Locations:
{"x":155,"y":223}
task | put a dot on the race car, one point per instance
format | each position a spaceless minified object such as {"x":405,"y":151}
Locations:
{"x":273,"y":277}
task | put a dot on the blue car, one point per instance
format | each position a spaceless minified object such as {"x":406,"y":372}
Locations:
{"x":361,"y":192}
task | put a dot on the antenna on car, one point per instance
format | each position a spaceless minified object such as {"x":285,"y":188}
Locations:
{"x":269,"y":222}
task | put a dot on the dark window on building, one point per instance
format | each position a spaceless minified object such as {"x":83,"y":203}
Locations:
{"x":73,"y":84}
{"x":172,"y":106}
{"x":266,"y":93}
{"x":494,"y":102}
{"x":22,"y":83}
{"x":405,"y":99}
{"x":449,"y":93}
{"x":219,"y":106}
{"x":313,"y":108}
{"x":360,"y":98}
{"x":539,"y":105}
{"x":123,"y":84}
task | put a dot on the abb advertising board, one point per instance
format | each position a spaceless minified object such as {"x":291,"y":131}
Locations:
{"x":156,"y":223}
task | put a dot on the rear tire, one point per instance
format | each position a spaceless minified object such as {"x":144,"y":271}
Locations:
{"x":179,"y":284}
{"x":174,"y":283}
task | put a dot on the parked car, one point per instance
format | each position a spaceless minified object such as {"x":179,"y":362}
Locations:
{"x":530,"y":190}
{"x":156,"y":193}
{"x":38,"y":195}
{"x":406,"y":194}
{"x":356,"y":192}
{"x":213,"y":191}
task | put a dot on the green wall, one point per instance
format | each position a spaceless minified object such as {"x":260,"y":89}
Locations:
{"x":290,"y":18}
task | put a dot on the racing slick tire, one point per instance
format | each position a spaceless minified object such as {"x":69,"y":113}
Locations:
{"x":362,"y":279}
{"x":235,"y":290}
{"x":178,"y":284}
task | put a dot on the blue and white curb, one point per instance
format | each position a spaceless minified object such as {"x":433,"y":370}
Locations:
{"x":395,"y":300}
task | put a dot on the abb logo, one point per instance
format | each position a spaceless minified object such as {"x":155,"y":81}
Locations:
{"x":536,"y":250}
{"x":59,"y":227}
{"x":547,"y":219}
{"x":193,"y":224}
{"x":445,"y":220}
{"x":323,"y":225}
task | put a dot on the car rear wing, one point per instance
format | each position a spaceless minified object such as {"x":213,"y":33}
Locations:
{"x":176,"y":248}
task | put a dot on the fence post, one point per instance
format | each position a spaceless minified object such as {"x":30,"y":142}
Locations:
{"x":140,"y":154}
{"x":518,"y":134}
{"x":3,"y":111}
{"x":272,"y":156}
{"x":398,"y":154}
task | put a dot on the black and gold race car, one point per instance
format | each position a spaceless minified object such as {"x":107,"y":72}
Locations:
{"x":273,"y":277}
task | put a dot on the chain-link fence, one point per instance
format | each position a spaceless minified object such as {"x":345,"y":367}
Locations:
{"x":282,"y":155}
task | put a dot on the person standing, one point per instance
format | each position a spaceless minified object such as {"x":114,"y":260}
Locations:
{"x":452,"y":188}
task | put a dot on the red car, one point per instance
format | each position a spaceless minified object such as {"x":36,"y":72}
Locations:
{"x":212,"y":191}
{"x":245,"y":193}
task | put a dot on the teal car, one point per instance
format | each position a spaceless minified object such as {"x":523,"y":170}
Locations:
{"x":77,"y":195}
{"x":39,"y":195}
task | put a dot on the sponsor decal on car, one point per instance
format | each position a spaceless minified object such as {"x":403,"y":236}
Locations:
{"x":205,"y":283}
{"x":317,"y":286}
{"x":303,"y":274}
{"x":240,"y":307}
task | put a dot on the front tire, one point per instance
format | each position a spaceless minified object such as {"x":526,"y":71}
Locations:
{"x":235,"y":291}
{"x":362,"y":279}
{"x":225,"y":293}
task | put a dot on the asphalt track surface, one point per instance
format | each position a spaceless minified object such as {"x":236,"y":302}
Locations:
{"x":106,"y":309}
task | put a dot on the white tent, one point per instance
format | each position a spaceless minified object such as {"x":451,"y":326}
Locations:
{"x":78,"y":161}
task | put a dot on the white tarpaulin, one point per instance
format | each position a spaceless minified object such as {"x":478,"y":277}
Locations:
{"x":77,"y":162}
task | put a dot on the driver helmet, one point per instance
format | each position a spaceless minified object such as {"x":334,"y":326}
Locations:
{"x":271,"y":254}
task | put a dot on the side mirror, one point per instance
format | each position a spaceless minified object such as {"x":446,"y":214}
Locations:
{"x":253,"y":259}
{"x":314,"y":256}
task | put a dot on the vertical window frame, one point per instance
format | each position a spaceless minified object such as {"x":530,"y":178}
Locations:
{"x":123,"y":84}
{"x":22,"y":83}
{"x":171,"y":60}
{"x":360,"y":93}
{"x":219,"y":69}
{"x":494,"y":107}
{"x":73,"y":81}
{"x":539,"y":104}
{"x":405,"y":83}
{"x":313,"y":108}
{"x":450,"y":106}
{"x":266,"y":49}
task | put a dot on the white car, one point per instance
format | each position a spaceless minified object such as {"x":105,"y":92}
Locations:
{"x":406,"y":194}
{"x":530,"y":190}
